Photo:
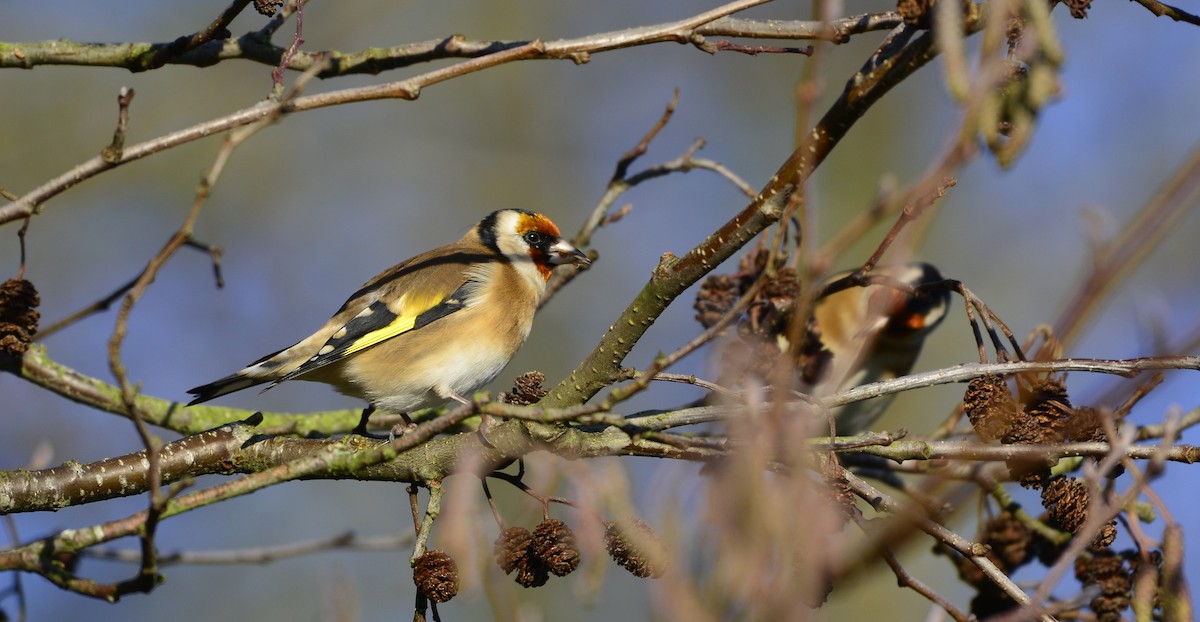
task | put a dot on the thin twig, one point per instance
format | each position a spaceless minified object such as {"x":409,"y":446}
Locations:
{"x":433,"y":508}
{"x":1137,"y":240}
{"x":297,"y":41}
{"x":18,"y":588}
{"x":973,"y":551}
{"x":575,"y":49}
{"x":103,"y":304}
{"x":1165,"y":10}
{"x":755,"y":50}
{"x":112,"y":153}
{"x":148,"y":577}
{"x":261,"y":555}
{"x":639,"y":150}
{"x":256,"y":46}
{"x":217,"y":30}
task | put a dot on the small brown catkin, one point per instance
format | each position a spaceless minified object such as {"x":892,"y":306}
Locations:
{"x":511,"y":548}
{"x":514,"y":551}
{"x":636,"y":548}
{"x":1050,"y":408}
{"x":989,"y":406}
{"x":532,"y":573}
{"x":915,"y":12}
{"x":717,"y":294}
{"x":554,"y":546}
{"x":1109,"y":571}
{"x":1066,"y":500}
{"x":18,"y":316}
{"x":527,"y":389}
{"x":1066,"y":503}
{"x":268,"y":7}
{"x":1010,"y":539}
{"x":436,"y":576}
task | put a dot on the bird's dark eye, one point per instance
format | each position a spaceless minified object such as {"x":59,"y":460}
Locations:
{"x":533,"y":238}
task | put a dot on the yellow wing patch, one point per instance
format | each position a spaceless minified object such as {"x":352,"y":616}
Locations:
{"x":378,"y":323}
{"x":398,"y":325}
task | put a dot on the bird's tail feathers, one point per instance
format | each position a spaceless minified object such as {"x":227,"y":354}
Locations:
{"x":226,"y":385}
{"x":263,"y":370}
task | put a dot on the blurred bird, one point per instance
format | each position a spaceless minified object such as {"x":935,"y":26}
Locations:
{"x":435,"y":327}
{"x":871,"y":333}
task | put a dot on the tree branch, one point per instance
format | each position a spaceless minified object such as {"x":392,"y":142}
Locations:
{"x":254,"y":46}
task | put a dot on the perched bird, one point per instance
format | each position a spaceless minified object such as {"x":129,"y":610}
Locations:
{"x":871,"y":333}
{"x":435,"y":327}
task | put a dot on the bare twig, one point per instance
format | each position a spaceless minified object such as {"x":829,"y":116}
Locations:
{"x":973,"y":551}
{"x":643,"y":145}
{"x":966,"y":371}
{"x":905,"y":579}
{"x":217,"y":30}
{"x":921,"y":198}
{"x":10,"y":526}
{"x":148,"y":577}
{"x":433,"y":507}
{"x":755,"y":50}
{"x":256,"y":46}
{"x":103,"y":304}
{"x":112,"y":153}
{"x":261,"y":555}
{"x":1161,"y":9}
{"x":297,"y":41}
{"x":406,"y":89}
{"x":1136,"y":241}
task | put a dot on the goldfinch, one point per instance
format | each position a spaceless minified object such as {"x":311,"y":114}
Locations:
{"x":435,"y":327}
{"x":868,"y":334}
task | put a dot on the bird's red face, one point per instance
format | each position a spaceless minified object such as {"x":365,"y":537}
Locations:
{"x":545,"y":247}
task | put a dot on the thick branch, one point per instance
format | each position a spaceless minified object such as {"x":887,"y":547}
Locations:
{"x":253,"y":46}
{"x":235,"y":448}
{"x":37,"y":367}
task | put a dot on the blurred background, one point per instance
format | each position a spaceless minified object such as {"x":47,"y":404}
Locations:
{"x":313,"y":206}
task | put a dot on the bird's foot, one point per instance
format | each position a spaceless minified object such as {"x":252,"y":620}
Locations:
{"x":485,"y":422}
{"x":400,"y":429}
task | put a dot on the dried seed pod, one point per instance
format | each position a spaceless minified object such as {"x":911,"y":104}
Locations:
{"x":989,"y":600}
{"x":989,"y":406}
{"x":1085,"y":426}
{"x":512,"y":547}
{"x":436,"y":576}
{"x":1066,"y":502}
{"x":18,"y":316}
{"x":1050,"y":408}
{"x":554,"y":546}
{"x":1115,"y":579}
{"x":514,"y":551}
{"x":1107,"y":535}
{"x":532,"y":573}
{"x":527,"y":389}
{"x":1013,"y":544}
{"x":1010,"y":539}
{"x":1042,"y":417}
{"x":717,"y":295}
{"x":268,"y":7}
{"x":1078,"y":8}
{"x":769,"y":314}
{"x":916,"y":12}
{"x":635,"y":546}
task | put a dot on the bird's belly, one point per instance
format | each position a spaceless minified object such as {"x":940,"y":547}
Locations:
{"x":414,"y":371}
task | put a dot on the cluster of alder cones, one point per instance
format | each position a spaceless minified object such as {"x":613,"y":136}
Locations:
{"x":550,"y":548}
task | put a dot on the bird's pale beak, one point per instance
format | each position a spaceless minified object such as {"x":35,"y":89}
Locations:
{"x":562,"y":252}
